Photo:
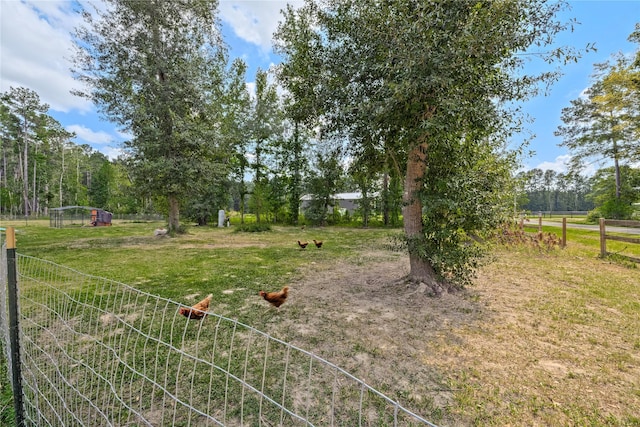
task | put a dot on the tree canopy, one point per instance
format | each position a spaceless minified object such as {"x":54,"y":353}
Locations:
{"x":602,"y":126}
{"x":427,"y":84}
{"x":156,"y":68}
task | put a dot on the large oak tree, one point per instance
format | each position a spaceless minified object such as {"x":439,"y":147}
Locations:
{"x":428,"y":81}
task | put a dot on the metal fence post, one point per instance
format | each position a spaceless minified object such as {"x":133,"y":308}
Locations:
{"x":12,"y":296}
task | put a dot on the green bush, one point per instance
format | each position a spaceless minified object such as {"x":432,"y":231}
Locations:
{"x":7,"y":416}
{"x":593,"y":216}
{"x":254,"y":227}
{"x":611,"y":209}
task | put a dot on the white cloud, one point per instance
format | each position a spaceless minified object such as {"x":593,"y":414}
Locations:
{"x":101,"y":141}
{"x":90,"y":136}
{"x":35,"y":47}
{"x":560,"y":164}
{"x":112,"y":153}
{"x":254,"y":21}
{"x":251,"y":88}
{"x":125,"y":136}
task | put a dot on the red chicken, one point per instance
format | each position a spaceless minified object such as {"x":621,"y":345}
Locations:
{"x":275,"y":298}
{"x":318,"y":243}
{"x":199,"y":310}
{"x":302,"y":244}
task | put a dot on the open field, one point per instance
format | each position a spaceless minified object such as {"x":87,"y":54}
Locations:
{"x":541,"y":338}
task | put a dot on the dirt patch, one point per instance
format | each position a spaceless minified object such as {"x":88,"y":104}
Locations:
{"x":363,"y":319}
{"x":499,"y":353}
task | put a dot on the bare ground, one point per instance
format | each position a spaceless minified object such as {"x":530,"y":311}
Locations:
{"x":510,"y":350}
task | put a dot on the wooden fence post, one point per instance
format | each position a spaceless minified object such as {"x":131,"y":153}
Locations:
{"x":564,"y":232}
{"x":540,"y":222}
{"x":603,"y":239}
{"x":14,"y":333}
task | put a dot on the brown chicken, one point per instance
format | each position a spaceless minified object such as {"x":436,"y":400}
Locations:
{"x":302,"y":244}
{"x":199,"y":310}
{"x":318,"y":243}
{"x":275,"y":298}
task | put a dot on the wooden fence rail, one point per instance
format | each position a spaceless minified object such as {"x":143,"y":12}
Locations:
{"x":604,"y":236}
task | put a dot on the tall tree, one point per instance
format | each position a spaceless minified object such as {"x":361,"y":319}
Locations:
{"x":103,"y":187}
{"x":635,"y":81}
{"x":600,"y":126}
{"x":25,"y":104}
{"x":54,"y":139}
{"x":430,"y":77}
{"x":365,"y":171}
{"x":265,"y":130}
{"x":292,"y":148}
{"x":324,"y":181}
{"x":613,"y":200}
{"x":549,"y":185}
{"x":151,"y":67}
{"x":235,"y":127}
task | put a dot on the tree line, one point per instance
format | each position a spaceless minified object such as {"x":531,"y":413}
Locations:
{"x":42,"y":168}
{"x":408,"y":102}
{"x":601,"y":195}
{"x":548,"y":190}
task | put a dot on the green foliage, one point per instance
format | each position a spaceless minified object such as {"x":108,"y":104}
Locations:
{"x":294,"y":164}
{"x":551,"y":191}
{"x":203,"y":206}
{"x":615,"y":201}
{"x":101,"y":186}
{"x":36,"y":145}
{"x":389,"y":79}
{"x":160,"y":79}
{"x":616,"y":209}
{"x":593,"y":216}
{"x":264,"y":132}
{"x":253,"y":227}
{"x":603,"y":125}
{"x":464,"y":198}
{"x":7,"y":416}
{"x":323,"y":182}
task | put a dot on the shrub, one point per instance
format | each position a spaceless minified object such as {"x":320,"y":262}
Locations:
{"x":254,"y":227}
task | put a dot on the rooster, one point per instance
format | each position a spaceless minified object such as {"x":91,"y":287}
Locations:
{"x":198,"y":311}
{"x":302,"y":244}
{"x":318,"y":243}
{"x":275,"y":298}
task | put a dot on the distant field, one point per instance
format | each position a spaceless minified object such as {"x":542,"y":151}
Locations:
{"x":541,"y":338}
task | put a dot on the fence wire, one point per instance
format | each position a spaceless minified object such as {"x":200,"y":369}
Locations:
{"x":101,"y":353}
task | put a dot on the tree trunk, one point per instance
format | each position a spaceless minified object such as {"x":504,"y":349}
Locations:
{"x":294,"y":194}
{"x":385,"y":198}
{"x":421,"y":269}
{"x":616,"y":169}
{"x":243,"y":193}
{"x":34,"y":205}
{"x":365,"y":209}
{"x":61,"y":178}
{"x":25,"y":173}
{"x":174,"y":214}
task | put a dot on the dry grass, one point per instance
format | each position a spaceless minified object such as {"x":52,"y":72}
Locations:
{"x":542,"y":338}
{"x":558,"y":344}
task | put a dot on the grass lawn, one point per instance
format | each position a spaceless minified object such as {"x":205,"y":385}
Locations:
{"x":541,"y":338}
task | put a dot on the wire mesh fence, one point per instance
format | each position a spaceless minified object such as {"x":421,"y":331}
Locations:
{"x":98,"y":352}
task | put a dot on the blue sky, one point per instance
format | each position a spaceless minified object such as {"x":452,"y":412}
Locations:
{"x":35,"y":47}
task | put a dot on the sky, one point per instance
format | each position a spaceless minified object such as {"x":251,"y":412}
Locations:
{"x":36,"y":47}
